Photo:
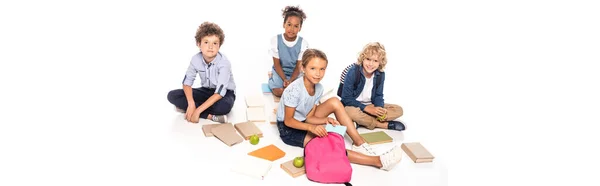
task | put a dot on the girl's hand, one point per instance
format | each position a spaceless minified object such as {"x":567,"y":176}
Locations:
{"x":318,"y":130}
{"x":332,"y":121}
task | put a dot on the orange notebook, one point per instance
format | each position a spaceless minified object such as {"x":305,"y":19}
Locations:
{"x":270,"y":152}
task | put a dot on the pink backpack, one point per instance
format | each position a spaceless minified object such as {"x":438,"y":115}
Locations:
{"x":326,"y":160}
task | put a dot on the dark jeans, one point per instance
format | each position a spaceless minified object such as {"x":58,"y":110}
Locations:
{"x":221,"y":107}
{"x":291,"y":136}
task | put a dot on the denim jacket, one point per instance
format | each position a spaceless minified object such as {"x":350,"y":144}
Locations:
{"x":350,"y":92}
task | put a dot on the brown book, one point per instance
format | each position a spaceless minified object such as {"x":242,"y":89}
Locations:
{"x":273,"y":116}
{"x":293,"y":171}
{"x":227,"y":134}
{"x":247,"y":129}
{"x":255,"y":114}
{"x":417,"y":152}
{"x":207,"y":129}
{"x":270,"y":152}
{"x":376,"y":137}
{"x":255,"y":101}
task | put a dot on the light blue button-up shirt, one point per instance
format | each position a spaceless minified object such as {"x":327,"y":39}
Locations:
{"x":215,"y":75}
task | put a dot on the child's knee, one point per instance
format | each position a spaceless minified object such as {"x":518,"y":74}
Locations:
{"x":172,"y":95}
{"x":336,"y":103}
{"x":277,"y":91}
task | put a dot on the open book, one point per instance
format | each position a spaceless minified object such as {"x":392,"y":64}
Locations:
{"x":252,"y":166}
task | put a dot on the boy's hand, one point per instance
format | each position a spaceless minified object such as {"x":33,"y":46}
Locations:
{"x":380,"y":111}
{"x":189,"y":112}
{"x":318,"y":130}
{"x":196,"y":116}
{"x":375,"y":111}
{"x":370,"y":109}
{"x":332,"y":121}
{"x":286,"y":83}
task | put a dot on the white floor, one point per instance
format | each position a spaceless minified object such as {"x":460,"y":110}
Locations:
{"x":501,"y":92}
{"x":220,"y":158}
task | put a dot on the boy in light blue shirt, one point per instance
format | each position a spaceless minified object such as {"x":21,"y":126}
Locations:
{"x":215,"y":98}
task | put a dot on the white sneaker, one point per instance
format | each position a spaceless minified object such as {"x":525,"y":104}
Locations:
{"x":365,"y":149}
{"x":391,"y":158}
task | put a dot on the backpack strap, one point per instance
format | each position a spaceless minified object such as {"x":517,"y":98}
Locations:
{"x":357,"y":75}
{"x":342,"y":78}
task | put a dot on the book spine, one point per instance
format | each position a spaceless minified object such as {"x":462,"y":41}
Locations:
{"x":409,"y":153}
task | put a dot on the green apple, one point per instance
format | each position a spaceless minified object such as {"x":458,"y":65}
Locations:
{"x":254,"y":139}
{"x":299,"y":161}
{"x":381,"y":118}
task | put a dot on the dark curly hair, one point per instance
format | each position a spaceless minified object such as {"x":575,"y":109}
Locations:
{"x":293,"y":11}
{"x":209,"y":29}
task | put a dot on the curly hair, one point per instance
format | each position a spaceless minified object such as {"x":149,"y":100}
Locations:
{"x":209,"y":29}
{"x":309,"y":54}
{"x":293,"y":11}
{"x":373,"y":48}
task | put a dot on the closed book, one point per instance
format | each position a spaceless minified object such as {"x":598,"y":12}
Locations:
{"x":269,"y":152}
{"x":417,"y":152}
{"x":376,"y":137}
{"x":207,"y":129}
{"x":256,"y":114}
{"x":255,"y":101}
{"x":292,"y":170}
{"x":227,"y":134}
{"x":247,"y":129}
{"x":265,"y":88}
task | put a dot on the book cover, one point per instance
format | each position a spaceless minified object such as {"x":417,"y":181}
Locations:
{"x":340,"y":129}
{"x":207,"y":129}
{"x":255,"y":114}
{"x":227,"y":134}
{"x":270,"y":152}
{"x":265,"y":88}
{"x":252,"y":166}
{"x":247,"y":129}
{"x":293,"y":171}
{"x":273,"y":117}
{"x":255,"y":101}
{"x":376,"y":137}
{"x":417,"y":152}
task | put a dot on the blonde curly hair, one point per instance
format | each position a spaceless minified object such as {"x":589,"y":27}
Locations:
{"x":373,"y":48}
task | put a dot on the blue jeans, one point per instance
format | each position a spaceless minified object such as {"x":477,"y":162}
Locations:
{"x":291,"y":136}
{"x":221,"y":107}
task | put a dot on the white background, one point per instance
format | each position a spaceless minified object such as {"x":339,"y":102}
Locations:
{"x":505,"y":91}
